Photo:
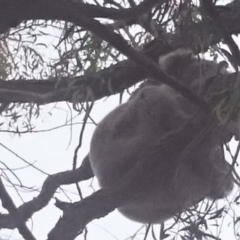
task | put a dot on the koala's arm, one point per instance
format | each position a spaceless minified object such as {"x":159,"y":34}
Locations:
{"x":87,"y":168}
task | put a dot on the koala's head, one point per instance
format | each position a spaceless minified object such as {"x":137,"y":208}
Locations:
{"x":190,"y":70}
{"x":174,"y":63}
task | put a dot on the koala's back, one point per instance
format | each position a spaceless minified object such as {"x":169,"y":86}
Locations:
{"x":121,"y":136}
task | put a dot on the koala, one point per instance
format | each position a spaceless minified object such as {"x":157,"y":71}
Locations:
{"x":190,"y":70}
{"x":128,"y":134}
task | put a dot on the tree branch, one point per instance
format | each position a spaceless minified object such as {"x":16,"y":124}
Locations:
{"x":210,"y":9}
{"x":106,"y":82}
{"x":8,"y":203}
{"x":25,"y":211}
{"x":27,"y":9}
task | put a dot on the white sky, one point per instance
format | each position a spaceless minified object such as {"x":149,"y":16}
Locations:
{"x":53,"y":152}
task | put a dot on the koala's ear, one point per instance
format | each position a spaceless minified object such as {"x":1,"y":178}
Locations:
{"x":184,"y":52}
{"x":189,"y":55}
{"x":175,"y":61}
{"x":187,"y":58}
{"x":222,"y":67}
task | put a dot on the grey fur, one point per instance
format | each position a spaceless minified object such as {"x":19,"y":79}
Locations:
{"x":135,"y":126}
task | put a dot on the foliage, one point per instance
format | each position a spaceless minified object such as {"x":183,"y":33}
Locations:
{"x":64,"y":55}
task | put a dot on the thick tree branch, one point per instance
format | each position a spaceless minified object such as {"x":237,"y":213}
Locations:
{"x":150,"y":66}
{"x":21,"y":9}
{"x":25,"y":211}
{"x":111,"y":13}
{"x":12,"y":12}
{"x":8,"y":203}
{"x":108,"y":81}
{"x":119,"y":43}
{"x":210,"y":9}
{"x":105,"y":83}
